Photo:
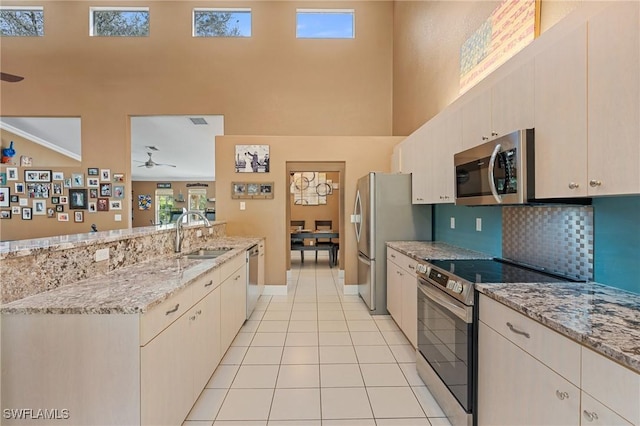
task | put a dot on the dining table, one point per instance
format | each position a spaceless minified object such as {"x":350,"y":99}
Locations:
{"x":302,"y":234}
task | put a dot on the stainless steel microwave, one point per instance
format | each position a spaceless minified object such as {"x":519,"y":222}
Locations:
{"x":500,"y":171}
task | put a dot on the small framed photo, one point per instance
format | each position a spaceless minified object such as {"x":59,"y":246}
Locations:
{"x":238,"y":189}
{"x":115,"y":205}
{"x":105,"y":175}
{"x":78,"y":217}
{"x":78,"y":199}
{"x":3,"y":178}
{"x":93,"y":192}
{"x":253,"y":189}
{"x":56,"y":188}
{"x":67,"y":183}
{"x":103,"y":204}
{"x":59,"y":208}
{"x":266,"y":189}
{"x":64,"y":199}
{"x":252,"y":159}
{"x":19,"y":187}
{"x":23,"y":202}
{"x":25,"y":161}
{"x":39,"y":207}
{"x":93,"y":171}
{"x":4,"y":197}
{"x":118,"y":191}
{"x":77,"y":180}
{"x":63,"y":217}
{"x":58,"y":176}
{"x":51,"y":212}
{"x":55,"y":200}
{"x":37,"y":175}
{"x":15,"y":210}
{"x":105,"y":190}
{"x":92,"y":207}
{"x":12,"y":173}
{"x":93,"y":182}
{"x":26,"y":213}
{"x":38,"y":190}
{"x":118,"y":177}
{"x":5,"y":214}
{"x":14,"y":198}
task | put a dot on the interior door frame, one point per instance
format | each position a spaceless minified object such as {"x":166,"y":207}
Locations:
{"x":317,"y":166}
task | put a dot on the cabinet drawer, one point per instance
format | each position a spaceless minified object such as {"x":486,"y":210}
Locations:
{"x":615,"y":386}
{"x":403,"y":261}
{"x":205,"y":284}
{"x":556,"y":351}
{"x":594,"y":413}
{"x":232,"y":265}
{"x":160,"y":316}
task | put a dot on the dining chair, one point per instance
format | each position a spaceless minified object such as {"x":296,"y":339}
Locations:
{"x":298,"y":224}
{"x":320,"y":242}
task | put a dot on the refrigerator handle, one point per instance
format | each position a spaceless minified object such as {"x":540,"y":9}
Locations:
{"x":357,"y":211}
{"x":364,"y":260}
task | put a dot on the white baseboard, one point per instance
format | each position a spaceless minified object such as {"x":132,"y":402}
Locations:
{"x":350,"y":290}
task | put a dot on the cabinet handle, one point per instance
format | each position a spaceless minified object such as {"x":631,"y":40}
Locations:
{"x":494,"y":133}
{"x":170,"y":311}
{"x":192,"y":318}
{"x":515,"y":330}
{"x":562,"y":395}
{"x":411,"y":267}
{"x":591,"y":416}
{"x":199,"y":312}
{"x":573,"y":185}
{"x":209,"y":283}
{"x":393,"y":256}
{"x":593,"y":183}
{"x":485,"y":138}
{"x":237,"y":278}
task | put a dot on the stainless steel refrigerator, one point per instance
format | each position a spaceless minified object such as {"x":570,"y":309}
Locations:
{"x":383,"y":212}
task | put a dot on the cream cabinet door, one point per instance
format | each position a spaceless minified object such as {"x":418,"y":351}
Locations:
{"x":233,"y":306}
{"x":516,"y":389}
{"x":261,"y":260}
{"x":204,"y":321}
{"x":410,"y":307}
{"x":394,"y":292}
{"x":476,"y":120}
{"x":445,"y":142}
{"x":614,"y":100}
{"x":418,"y":158}
{"x":512,"y":101}
{"x":596,"y":414}
{"x":561,"y":117}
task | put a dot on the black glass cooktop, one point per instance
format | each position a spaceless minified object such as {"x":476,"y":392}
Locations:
{"x":494,"y":271}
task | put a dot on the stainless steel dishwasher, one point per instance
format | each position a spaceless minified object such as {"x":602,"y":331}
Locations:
{"x":253,"y":292}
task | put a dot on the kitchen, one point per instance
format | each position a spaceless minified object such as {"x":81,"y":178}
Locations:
{"x":359,"y":159}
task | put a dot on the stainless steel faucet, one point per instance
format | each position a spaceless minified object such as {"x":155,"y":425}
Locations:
{"x":178,"y":247}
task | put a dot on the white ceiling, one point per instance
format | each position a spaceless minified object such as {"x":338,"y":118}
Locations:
{"x":190,"y":147}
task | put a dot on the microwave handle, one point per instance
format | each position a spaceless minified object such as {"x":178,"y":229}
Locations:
{"x":492,"y":181}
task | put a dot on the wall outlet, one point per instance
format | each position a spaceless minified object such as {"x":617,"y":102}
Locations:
{"x":243,"y":205}
{"x":453,"y":223}
{"x":199,"y":233}
{"x":478,"y":224}
{"x":102,"y":254}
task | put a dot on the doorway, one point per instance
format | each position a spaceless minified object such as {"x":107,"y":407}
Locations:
{"x":321,"y":198}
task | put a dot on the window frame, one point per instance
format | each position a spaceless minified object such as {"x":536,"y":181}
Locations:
{"x":116,"y":9}
{"x":223,"y":10}
{"x":345,"y":11}
{"x":27,"y":9}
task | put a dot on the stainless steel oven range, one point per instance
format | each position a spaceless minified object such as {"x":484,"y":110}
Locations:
{"x":447,"y":337}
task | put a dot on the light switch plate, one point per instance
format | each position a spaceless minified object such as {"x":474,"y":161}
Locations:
{"x":453,"y":223}
{"x":243,"y":205}
{"x":117,"y":218}
{"x":478,"y":224}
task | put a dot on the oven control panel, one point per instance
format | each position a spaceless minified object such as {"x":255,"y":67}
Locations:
{"x":442,"y":279}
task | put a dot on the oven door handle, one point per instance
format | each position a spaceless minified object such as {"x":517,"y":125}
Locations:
{"x":491,"y":177}
{"x":463,"y":312}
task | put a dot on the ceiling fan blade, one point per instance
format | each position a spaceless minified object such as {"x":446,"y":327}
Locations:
{"x":169,"y":165}
{"x":10,"y":77}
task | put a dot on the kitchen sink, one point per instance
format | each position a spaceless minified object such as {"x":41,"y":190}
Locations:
{"x":206,"y":253}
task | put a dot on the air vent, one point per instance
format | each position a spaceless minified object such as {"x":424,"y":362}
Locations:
{"x":198,"y":120}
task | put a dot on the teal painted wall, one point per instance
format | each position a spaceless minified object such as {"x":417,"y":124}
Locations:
{"x":489,"y":240}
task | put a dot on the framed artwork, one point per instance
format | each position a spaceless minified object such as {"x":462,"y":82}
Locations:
{"x":57,"y":188}
{"x":3,"y":178}
{"x":78,"y":199}
{"x":64,"y":199}
{"x":93,"y":193}
{"x":14,"y":198}
{"x":78,"y":217}
{"x":12,"y":173}
{"x":38,"y":190}
{"x":15,"y":210}
{"x":103,"y":205}
{"x":105,"y":175}
{"x":252,"y":190}
{"x":92,"y":207}
{"x":144,"y":202}
{"x":118,"y":177}
{"x":115,"y":205}
{"x":39,"y":208}
{"x":93,"y":182}
{"x":25,"y":161}
{"x":63,"y":217}
{"x":23,"y":202}
{"x":55,"y":200}
{"x":19,"y":187}
{"x":37,"y":175}
{"x":118,"y":191}
{"x":67,"y":183}
{"x":51,"y":212}
{"x":4,"y":197}
{"x":77,"y":180}
{"x":252,"y":159}
{"x":266,"y":189}
{"x":93,"y":171}
{"x":58,"y":176}
{"x":105,"y":190}
{"x":26,"y":213}
{"x":59,"y":208}
{"x":238,"y":189}
{"x":5,"y":214}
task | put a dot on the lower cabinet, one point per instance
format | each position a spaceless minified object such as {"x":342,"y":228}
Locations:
{"x":233,"y":305}
{"x":402,"y":296}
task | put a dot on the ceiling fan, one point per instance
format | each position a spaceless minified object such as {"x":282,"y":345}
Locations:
{"x":149,"y":164}
{"x":10,"y":77}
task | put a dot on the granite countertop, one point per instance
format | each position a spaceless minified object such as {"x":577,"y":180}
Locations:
{"x":421,"y":250}
{"x":599,"y":317}
{"x":130,"y":290}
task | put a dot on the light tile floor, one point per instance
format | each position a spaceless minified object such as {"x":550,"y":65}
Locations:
{"x":316,"y":358}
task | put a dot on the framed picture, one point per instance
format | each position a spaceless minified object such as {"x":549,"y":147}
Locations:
{"x":19,"y":187}
{"x":56,"y":188}
{"x":12,"y":173}
{"x":118,"y":177}
{"x":93,"y":192}
{"x":77,"y":180}
{"x":63,"y":217}
{"x":266,"y":189}
{"x":38,"y":190}
{"x":37,"y":175}
{"x":67,"y":183}
{"x":252,"y":159}
{"x":115,"y":205}
{"x":118,"y":191}
{"x":105,"y":190}
{"x":103,"y":204}
{"x":78,"y":199}
{"x":51,"y":212}
{"x":25,"y":161}
{"x":5,"y":214}
{"x":14,"y":198}
{"x":105,"y":175}
{"x":92,"y":207}
{"x":26,"y":213}
{"x":64,"y":199}
{"x":23,"y":202}
{"x":58,"y":176}
{"x":93,"y":171}
{"x":15,"y":210}
{"x":3,"y":178}
{"x":39,"y":207}
{"x":93,"y":182}
{"x":59,"y":208}
{"x":78,"y":217}
{"x":253,"y":189}
{"x":4,"y":197}
{"x":238,"y":189}
{"x":55,"y":200}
